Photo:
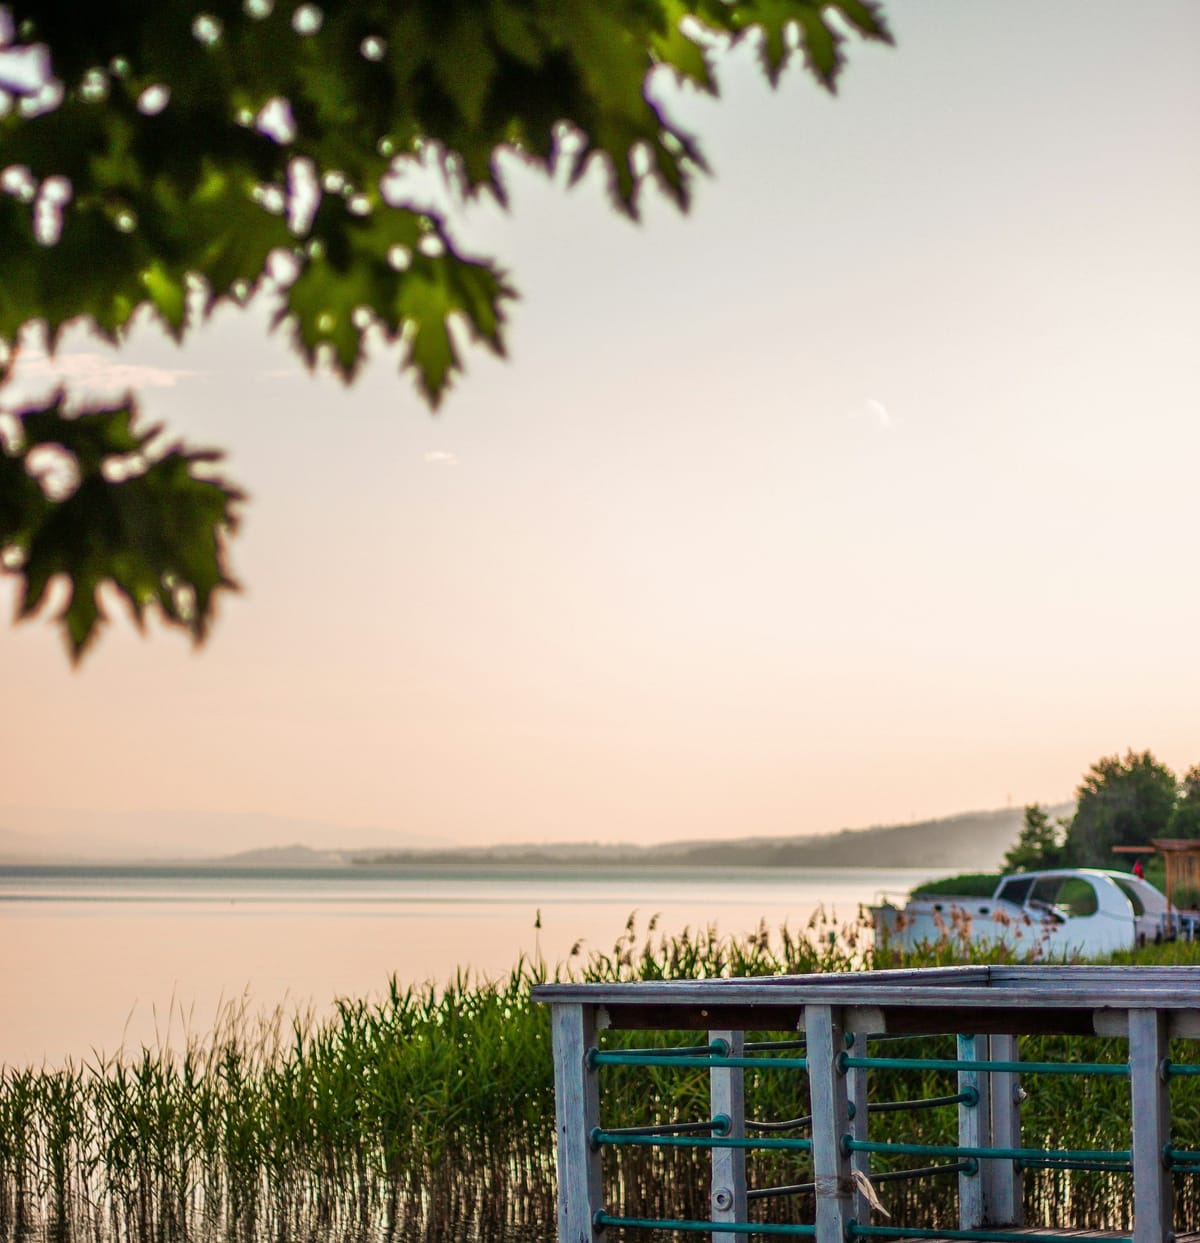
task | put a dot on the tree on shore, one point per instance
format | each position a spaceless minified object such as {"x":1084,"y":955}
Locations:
{"x":164,"y":159}
{"x":1121,"y":802}
{"x":1185,"y":819}
{"x":1040,"y":844}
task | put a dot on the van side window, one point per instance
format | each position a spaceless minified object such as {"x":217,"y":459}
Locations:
{"x":1135,"y":898}
{"x":1076,"y":896}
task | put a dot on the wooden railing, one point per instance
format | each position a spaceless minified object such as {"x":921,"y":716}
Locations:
{"x":835,"y":1017}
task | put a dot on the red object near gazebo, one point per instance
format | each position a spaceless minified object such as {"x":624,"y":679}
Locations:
{"x":1180,"y":854}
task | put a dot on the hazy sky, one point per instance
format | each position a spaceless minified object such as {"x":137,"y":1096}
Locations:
{"x":867,"y":491}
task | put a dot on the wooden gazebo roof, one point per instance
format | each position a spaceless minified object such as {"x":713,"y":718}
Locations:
{"x":1181,"y":855}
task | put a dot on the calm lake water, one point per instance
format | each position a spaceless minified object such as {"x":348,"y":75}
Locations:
{"x":93,"y":960}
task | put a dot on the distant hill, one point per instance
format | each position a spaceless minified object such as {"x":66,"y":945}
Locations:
{"x":17,"y":847}
{"x":64,"y":835}
{"x":296,"y":856}
{"x":976,"y":840}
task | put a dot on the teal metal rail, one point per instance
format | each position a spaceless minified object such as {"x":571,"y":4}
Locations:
{"x":855,"y":1231}
{"x":622,"y":1139}
{"x":600,"y":1220}
{"x":674,"y":1058}
{"x":850,"y":1145}
{"x":846,"y":1062}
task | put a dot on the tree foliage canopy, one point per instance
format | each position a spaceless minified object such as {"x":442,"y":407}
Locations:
{"x":1185,"y":819}
{"x":165,"y":158}
{"x":1122,"y":802}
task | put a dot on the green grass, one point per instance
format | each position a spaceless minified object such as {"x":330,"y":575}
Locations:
{"x":967,"y":885}
{"x":431,"y":1112}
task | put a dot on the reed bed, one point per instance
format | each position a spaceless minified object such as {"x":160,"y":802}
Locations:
{"x":428,"y":1113}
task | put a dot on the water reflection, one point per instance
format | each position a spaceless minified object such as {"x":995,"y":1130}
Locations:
{"x":105,"y":959}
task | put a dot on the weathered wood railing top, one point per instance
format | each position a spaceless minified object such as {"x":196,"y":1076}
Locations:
{"x":1021,"y":1000}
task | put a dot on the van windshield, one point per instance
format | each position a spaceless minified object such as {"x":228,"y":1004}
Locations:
{"x":1015,"y":890}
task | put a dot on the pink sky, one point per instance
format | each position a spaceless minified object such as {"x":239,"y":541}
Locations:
{"x":865,"y":492}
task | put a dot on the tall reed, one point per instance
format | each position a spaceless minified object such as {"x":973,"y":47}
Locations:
{"x":429,"y":1113}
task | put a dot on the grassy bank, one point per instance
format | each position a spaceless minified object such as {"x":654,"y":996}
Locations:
{"x":431,"y":1113}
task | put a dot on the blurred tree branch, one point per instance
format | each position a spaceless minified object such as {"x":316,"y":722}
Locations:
{"x":167,"y":158}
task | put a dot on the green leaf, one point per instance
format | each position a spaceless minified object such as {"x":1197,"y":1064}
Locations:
{"x":154,"y":530}
{"x":90,"y":438}
{"x":514,"y":28}
{"x":432,"y":352}
{"x":866,"y":17}
{"x":23,"y":505}
{"x":689,"y":59}
{"x":775,"y":21}
{"x":464,"y":66}
{"x":351,"y":283}
{"x":822,"y":48}
{"x":168,"y":292}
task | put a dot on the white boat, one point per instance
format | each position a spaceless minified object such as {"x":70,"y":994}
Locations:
{"x":1066,"y":911}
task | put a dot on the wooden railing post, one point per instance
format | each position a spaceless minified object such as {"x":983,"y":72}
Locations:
{"x":1002,"y":1181}
{"x":577,"y":1111}
{"x":974,"y":1131}
{"x":830,"y":1122}
{"x":1148,"y":1050}
{"x":727,"y":1096}
{"x":857,"y":1090}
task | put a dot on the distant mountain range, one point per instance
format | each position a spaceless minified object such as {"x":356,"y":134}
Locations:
{"x":976,"y":840}
{"x":969,"y":841}
{"x":63,"y":835}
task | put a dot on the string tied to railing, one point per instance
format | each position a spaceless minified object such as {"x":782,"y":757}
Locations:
{"x":866,"y":1189}
{"x":880,"y":1176}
